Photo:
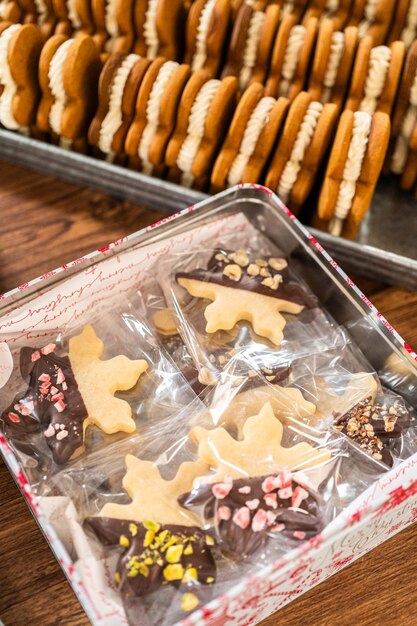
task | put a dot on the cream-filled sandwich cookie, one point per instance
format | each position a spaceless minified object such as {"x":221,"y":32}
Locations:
{"x":372,"y":17}
{"x":336,"y":10}
{"x":118,"y":88}
{"x":250,"y":140}
{"x":156,"y":111}
{"x":352,"y":171}
{"x":69,"y":72}
{"x":205,"y":111}
{"x":290,"y":57}
{"x":20,"y":48}
{"x":301,"y":148}
{"x":251,"y":44}
{"x":404,"y":24}
{"x":206,"y":32}
{"x":10,"y":11}
{"x":375,"y":77}
{"x":73,"y":16}
{"x":332,"y":63}
{"x":159,"y":25}
{"x":41,"y":13}
{"x":113,"y":21}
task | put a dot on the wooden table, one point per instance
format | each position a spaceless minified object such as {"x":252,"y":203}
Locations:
{"x":44,"y":223}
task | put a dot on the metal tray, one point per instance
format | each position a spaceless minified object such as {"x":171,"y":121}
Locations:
{"x":385,"y":249}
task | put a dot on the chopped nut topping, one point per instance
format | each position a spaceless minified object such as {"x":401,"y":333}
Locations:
{"x":277,"y":264}
{"x":273,"y":281}
{"x":221,"y":257}
{"x":253,"y":270}
{"x":261,"y":262}
{"x":234,"y":272}
{"x":265,"y":272}
{"x":240,"y":257}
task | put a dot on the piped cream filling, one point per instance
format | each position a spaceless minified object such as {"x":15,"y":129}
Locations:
{"x":379,"y":61}
{"x":399,"y":157}
{"x":352,"y":170}
{"x":408,"y":33}
{"x":251,"y":48}
{"x":200,"y":54}
{"x":287,"y":8}
{"x":302,"y":141}
{"x":331,"y":7}
{"x":337,"y":47}
{"x":150,"y":32}
{"x":56,"y":85}
{"x":153,"y":109}
{"x":256,"y":123}
{"x":291,"y":57}
{"x":3,"y":8}
{"x":73,"y":16}
{"x":7,"y":80}
{"x":112,"y":26}
{"x":114,"y":118}
{"x":195,"y":129}
{"x":42,"y":11}
{"x":368,"y":17}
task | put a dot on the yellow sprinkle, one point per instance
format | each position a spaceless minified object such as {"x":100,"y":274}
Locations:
{"x":149,"y":525}
{"x":173,"y":572}
{"x":209,"y":579}
{"x":189,"y":549}
{"x":117,"y":578}
{"x":124,"y":541}
{"x":133,"y":529}
{"x":144,"y":570}
{"x":148,"y":561}
{"x":209,"y":540}
{"x":132,"y":573}
{"x":149,"y":537}
{"x":190,"y":575}
{"x":174,"y":554}
{"x":189,"y":602}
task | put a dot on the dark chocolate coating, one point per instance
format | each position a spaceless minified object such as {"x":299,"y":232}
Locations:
{"x":290,"y":291}
{"x":151,"y":557}
{"x":247,"y":512}
{"x":52,"y":403}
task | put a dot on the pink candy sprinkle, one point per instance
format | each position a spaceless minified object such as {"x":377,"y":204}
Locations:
{"x":224,"y":513}
{"x":271,"y":500}
{"x":50,"y":431}
{"x":60,"y":376}
{"x":278,"y":528}
{"x":245,"y":490}
{"x":21,"y":408}
{"x":242,"y":517}
{"x":44,"y":378}
{"x":298,"y":534}
{"x":35,"y":356}
{"x":53,"y":390}
{"x":60,"y":406}
{"x":64,"y":386}
{"x":285,"y":493}
{"x":270,"y":518}
{"x":44,"y":390}
{"x":252,"y":504}
{"x":57,"y":396}
{"x":48,"y":349}
{"x":298,"y":496}
{"x":259,"y":521}
{"x":221,"y":490}
{"x":270,"y":483}
{"x":13,"y":418}
{"x":286,"y":477}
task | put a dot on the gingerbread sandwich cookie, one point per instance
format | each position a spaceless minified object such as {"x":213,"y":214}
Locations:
{"x":73,"y":16}
{"x":206,"y":31}
{"x":68,"y":75}
{"x":290,"y":57}
{"x":301,"y":148}
{"x":251,"y":44}
{"x":404,"y":26}
{"x":405,"y":115}
{"x":336,"y":10}
{"x":10,"y":11}
{"x":156,"y":111}
{"x":353,"y":169}
{"x":113,"y":21}
{"x":158,"y":28}
{"x":250,"y":140}
{"x":20,"y":48}
{"x":372,"y":17}
{"x":41,"y":13}
{"x":375,"y":77}
{"x":332,"y":64}
{"x":205,"y":111}
{"x":119,"y":83}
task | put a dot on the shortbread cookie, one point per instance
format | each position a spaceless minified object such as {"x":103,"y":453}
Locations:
{"x":118,"y":88}
{"x":251,"y":44}
{"x":290,"y":57}
{"x":372,"y":17}
{"x":207,"y":27}
{"x":159,"y":25}
{"x":301,"y":148}
{"x":41,"y":13}
{"x":10,"y":11}
{"x":155,"y":113}
{"x":68,"y":76}
{"x":259,"y":452}
{"x":20,"y":48}
{"x":375,"y":77}
{"x":244,"y":288}
{"x":66,"y":394}
{"x":73,"y":16}
{"x":205,"y":111}
{"x":405,"y":114}
{"x":156,"y":555}
{"x":246,"y":513}
{"x":113,"y":20}
{"x":332,"y":65}
{"x":252,"y":135}
{"x":353,"y":169}
{"x":404,"y":25}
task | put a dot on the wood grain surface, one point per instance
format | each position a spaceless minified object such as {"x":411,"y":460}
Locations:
{"x":44,"y":223}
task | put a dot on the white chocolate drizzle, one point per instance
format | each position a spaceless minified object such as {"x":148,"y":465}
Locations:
{"x":56,"y":84}
{"x":399,"y":157}
{"x":150,"y":32}
{"x":6,"y":79}
{"x":379,"y":62}
{"x":337,"y":47}
{"x":251,"y":48}
{"x":200,"y":53}
{"x":292,"y":53}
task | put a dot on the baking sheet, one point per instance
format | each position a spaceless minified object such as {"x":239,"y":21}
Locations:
{"x":385,"y":249}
